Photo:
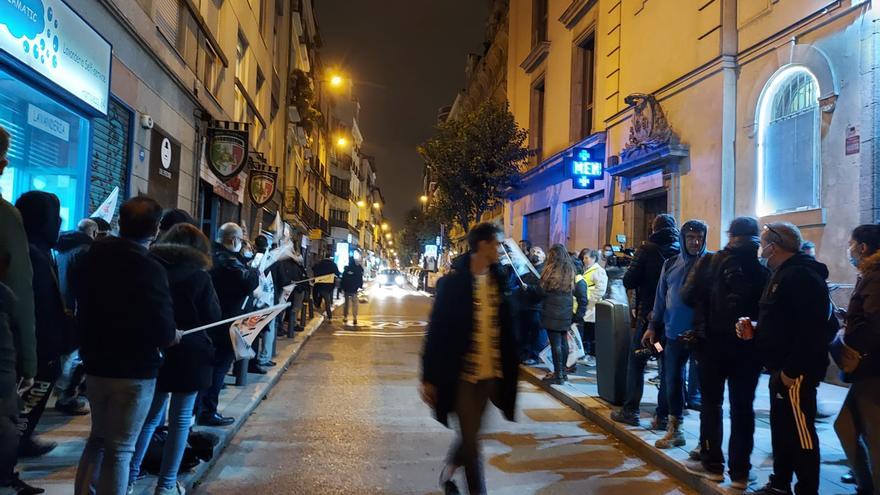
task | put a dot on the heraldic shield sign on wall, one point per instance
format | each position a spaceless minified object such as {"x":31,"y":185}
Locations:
{"x":228,"y":148}
{"x":261,"y":179}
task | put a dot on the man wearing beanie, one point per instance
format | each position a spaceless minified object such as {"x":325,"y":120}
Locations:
{"x":642,"y":276}
{"x":722,"y":288}
{"x":677,"y":319}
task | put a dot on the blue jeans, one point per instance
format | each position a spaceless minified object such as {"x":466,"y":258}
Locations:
{"x":675,"y":357}
{"x":119,"y":407}
{"x":635,"y":378}
{"x":179,"y":420}
{"x":694,"y":396}
{"x":267,"y":350}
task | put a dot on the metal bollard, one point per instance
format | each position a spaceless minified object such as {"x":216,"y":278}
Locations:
{"x":240,"y":370}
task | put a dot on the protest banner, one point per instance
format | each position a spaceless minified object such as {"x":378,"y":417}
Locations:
{"x":517,"y":258}
{"x":325,"y":279}
{"x":244,"y":328}
{"x":108,"y":207}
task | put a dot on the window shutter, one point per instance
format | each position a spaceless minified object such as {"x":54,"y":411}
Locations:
{"x":168,"y":19}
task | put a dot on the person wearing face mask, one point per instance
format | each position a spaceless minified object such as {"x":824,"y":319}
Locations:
{"x":233,"y":281}
{"x":854,"y":351}
{"x":792,"y":336}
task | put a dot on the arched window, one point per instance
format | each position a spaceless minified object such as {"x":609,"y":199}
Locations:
{"x":788,"y":142}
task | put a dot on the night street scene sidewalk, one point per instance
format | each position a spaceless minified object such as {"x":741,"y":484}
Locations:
{"x":461,"y":246}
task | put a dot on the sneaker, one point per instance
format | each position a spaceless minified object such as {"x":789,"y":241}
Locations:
{"x":848,"y":478}
{"x":76,"y":406}
{"x":626,"y":417}
{"x":177,"y":489}
{"x":654,"y":380}
{"x":704,"y":470}
{"x":590,"y":361}
{"x":769,"y":490}
{"x":19,"y":487}
{"x":742,"y":482}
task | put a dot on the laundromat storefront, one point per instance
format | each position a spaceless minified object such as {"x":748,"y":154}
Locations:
{"x":54,"y":77}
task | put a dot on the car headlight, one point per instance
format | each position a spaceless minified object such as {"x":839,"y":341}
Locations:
{"x":399,"y":280}
{"x":383,"y":279}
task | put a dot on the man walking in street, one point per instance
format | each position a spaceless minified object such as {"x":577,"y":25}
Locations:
{"x":677,"y":319}
{"x":352,"y":282}
{"x":234,"y":282}
{"x":126,"y":316}
{"x":16,"y":274}
{"x":324,"y":290}
{"x":470,"y":353}
{"x":722,"y":288}
{"x":792,"y":337}
{"x":642,"y":276}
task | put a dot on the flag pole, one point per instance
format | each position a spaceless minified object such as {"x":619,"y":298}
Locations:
{"x":230,"y":320}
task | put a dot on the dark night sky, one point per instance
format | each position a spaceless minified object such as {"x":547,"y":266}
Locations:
{"x":407,"y":59}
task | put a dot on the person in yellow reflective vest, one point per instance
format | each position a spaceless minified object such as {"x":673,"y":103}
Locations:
{"x":597,"y":284}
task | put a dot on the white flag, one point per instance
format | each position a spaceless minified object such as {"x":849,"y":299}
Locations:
{"x":286,"y":291}
{"x":108,"y":207}
{"x":245,"y":330}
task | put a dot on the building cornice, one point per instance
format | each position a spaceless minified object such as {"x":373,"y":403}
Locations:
{"x":575,"y":12}
{"x":536,"y":56}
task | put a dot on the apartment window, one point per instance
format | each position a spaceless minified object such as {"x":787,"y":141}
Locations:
{"x":540,"y":19}
{"x":338,"y":216}
{"x":536,"y":120}
{"x":241,"y":58}
{"x":586,"y":53}
{"x":179,"y":27}
{"x":788,"y":143}
{"x":261,"y":81}
{"x":213,"y":66}
{"x":339,"y":185}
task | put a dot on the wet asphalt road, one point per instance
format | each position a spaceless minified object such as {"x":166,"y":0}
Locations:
{"x":346,"y":419}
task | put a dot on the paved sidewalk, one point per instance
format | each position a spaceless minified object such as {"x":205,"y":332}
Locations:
{"x":56,"y":471}
{"x":581,"y":393}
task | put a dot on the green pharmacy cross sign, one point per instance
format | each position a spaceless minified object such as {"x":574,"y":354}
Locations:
{"x":584,"y":169}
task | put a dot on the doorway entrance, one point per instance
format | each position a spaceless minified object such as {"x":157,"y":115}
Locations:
{"x":647,"y":209}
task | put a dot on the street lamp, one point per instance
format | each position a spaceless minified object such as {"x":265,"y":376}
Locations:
{"x":385,"y":226}
{"x":376,"y":205}
{"x":342,"y":141}
{"x":388,"y":236}
{"x":336,"y":81}
{"x":423,"y":198}
{"x":361,"y":204}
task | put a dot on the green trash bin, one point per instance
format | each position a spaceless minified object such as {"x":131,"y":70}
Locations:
{"x":612,"y":349}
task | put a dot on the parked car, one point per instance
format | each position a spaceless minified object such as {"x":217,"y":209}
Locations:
{"x":391,"y":277}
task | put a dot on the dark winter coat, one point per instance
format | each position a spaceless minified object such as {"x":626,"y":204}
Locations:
{"x":41,"y":216}
{"x":325,"y":267}
{"x":233,"y":282}
{"x":450,"y":337}
{"x":863,"y":320}
{"x":19,"y":278}
{"x":558,"y":308}
{"x":643,"y":273}
{"x":581,"y":299}
{"x":124,"y":310}
{"x":188,"y":365}
{"x":793,"y":330}
{"x":69,"y":250}
{"x":284,"y":272}
{"x":527,"y":298}
{"x":9,"y":400}
{"x":723,"y":287}
{"x":352,"y":279}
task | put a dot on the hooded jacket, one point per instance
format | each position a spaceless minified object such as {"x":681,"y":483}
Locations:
{"x":188,"y":365}
{"x":287,"y":269}
{"x":19,"y":278}
{"x":41,"y":216}
{"x":724,"y":287}
{"x":352,"y":278}
{"x":69,"y":250}
{"x":792,"y":332}
{"x":669,"y":306}
{"x":450,"y":337}
{"x":863,"y":320}
{"x":643,"y":273}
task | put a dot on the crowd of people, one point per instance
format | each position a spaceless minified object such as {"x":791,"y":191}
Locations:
{"x":95,"y":318}
{"x":761,"y":305}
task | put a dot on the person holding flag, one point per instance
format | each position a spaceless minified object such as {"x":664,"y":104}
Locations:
{"x":234,"y":282}
{"x":325,"y":272}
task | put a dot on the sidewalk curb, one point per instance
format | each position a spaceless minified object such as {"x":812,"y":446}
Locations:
{"x":192,"y":480}
{"x":599,"y":412}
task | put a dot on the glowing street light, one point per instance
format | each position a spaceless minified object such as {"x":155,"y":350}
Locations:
{"x":388,"y":236}
{"x":342,"y":141}
{"x":376,"y":205}
{"x":361,"y":204}
{"x":336,"y":81}
{"x":385,"y":226}
{"x":423,"y":199}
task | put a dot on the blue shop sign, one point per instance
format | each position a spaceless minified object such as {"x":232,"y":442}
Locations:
{"x":584,"y":169}
{"x":50,"y":38}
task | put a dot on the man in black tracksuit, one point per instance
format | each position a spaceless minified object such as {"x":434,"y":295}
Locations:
{"x":722,"y":288}
{"x":643,"y":275}
{"x":792,"y":336}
